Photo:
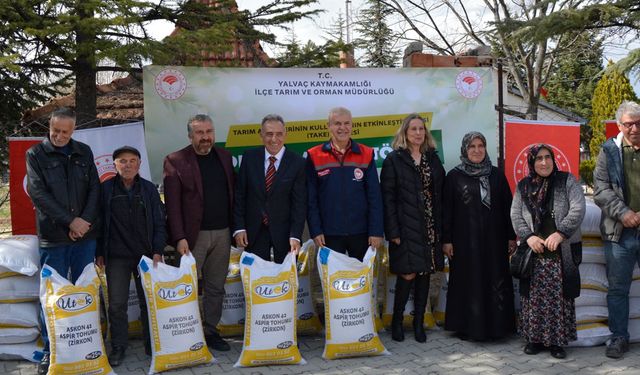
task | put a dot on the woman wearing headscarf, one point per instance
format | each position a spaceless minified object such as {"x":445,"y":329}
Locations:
{"x":411,"y":179}
{"x":547,"y":211}
{"x":477,"y":239}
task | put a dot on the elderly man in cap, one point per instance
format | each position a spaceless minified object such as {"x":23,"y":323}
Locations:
{"x":134,"y":225}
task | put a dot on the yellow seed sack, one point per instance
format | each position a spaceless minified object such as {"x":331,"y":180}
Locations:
{"x":177,"y":338}
{"x":270,"y":291}
{"x":232,"y":319}
{"x":73,"y":323}
{"x":347,"y":289}
{"x":307,"y":321}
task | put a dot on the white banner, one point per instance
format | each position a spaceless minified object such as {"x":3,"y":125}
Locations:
{"x":103,"y":141}
{"x":453,"y":101}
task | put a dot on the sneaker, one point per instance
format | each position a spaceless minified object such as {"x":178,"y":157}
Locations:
{"x":217,"y":343}
{"x":557,"y":352}
{"x":617,"y":347}
{"x":43,"y":366}
{"x":533,"y":348}
{"x":117,"y":356}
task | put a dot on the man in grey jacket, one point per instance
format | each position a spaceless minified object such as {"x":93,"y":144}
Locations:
{"x":617,"y":193}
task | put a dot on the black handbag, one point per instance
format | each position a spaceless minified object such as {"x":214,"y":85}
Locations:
{"x":521,"y":262}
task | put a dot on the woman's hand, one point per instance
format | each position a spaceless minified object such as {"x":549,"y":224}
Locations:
{"x":536,"y":244}
{"x":447,"y":249}
{"x":553,"y":241}
{"x":396,"y":240}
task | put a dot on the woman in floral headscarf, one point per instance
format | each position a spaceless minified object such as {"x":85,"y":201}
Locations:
{"x":547,"y":211}
{"x":477,"y":238}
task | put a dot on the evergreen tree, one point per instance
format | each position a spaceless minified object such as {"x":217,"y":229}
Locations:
{"x":63,"y":41}
{"x":574,"y":77}
{"x":376,"y":37}
{"x":611,"y":90}
{"x":310,"y":55}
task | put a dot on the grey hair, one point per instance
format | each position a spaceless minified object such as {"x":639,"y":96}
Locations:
{"x":63,"y":113}
{"x":627,"y":107}
{"x":198,"y":118}
{"x":338,"y":111}
{"x":400,"y":140}
{"x":272,"y":117}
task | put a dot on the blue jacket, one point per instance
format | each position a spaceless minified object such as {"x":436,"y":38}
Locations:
{"x":154,"y":213}
{"x":344,"y":198}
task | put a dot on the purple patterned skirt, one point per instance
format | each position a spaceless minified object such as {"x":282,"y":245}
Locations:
{"x":546,"y":316}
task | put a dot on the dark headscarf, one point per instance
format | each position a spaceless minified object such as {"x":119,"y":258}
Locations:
{"x":481,"y":170}
{"x":536,"y":187}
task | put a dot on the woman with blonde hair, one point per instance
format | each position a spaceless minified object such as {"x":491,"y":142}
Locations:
{"x":412,"y":178}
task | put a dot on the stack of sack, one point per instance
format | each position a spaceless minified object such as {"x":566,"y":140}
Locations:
{"x":591,"y":306}
{"x":634,"y":307}
{"x":441,"y":304}
{"x":19,"y":292}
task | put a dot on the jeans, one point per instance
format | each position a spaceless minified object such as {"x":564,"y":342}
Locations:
{"x":119,"y":271}
{"x":74,"y":258}
{"x":621,"y":258}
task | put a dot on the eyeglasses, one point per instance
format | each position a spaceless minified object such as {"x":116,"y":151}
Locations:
{"x":629,"y":125}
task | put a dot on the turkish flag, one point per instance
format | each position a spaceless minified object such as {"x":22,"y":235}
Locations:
{"x":23,"y":216}
{"x":520,"y":135}
{"x":610,"y":128}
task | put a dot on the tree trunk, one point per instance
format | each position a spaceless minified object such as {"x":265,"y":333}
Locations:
{"x":85,"y":69}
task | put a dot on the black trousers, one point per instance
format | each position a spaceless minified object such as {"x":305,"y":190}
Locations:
{"x":263,"y":244}
{"x":355,"y":245}
{"x":119,"y":271}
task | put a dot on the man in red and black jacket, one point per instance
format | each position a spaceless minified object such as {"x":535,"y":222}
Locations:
{"x":345,"y":202}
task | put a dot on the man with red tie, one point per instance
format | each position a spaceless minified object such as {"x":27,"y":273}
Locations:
{"x":270,"y":197}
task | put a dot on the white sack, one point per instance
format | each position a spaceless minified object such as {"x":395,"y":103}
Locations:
{"x":19,"y":255}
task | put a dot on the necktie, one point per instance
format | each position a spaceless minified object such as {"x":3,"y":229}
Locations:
{"x":271,"y":173}
{"x":268,"y":182}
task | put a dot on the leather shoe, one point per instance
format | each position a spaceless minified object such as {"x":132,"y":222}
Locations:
{"x":43,"y":366}
{"x":217,"y":343}
{"x":557,"y":352}
{"x":117,"y":356}
{"x":533,"y":348}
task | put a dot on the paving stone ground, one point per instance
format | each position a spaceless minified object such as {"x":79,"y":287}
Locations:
{"x":441,"y":354}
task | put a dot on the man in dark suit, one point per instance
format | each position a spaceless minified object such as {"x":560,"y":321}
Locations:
{"x":198,"y":189}
{"x":270,"y":206}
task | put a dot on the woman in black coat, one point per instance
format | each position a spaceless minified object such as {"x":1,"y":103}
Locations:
{"x":411,"y":180}
{"x":477,"y":238}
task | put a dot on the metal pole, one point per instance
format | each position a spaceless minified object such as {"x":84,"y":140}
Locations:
{"x":500,"y":119}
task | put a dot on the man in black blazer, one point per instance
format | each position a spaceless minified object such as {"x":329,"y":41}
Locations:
{"x":270,"y":202}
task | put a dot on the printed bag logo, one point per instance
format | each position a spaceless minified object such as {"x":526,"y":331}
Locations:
{"x":170,"y":84}
{"x":469,"y":84}
{"x":273,"y":290}
{"x":233,"y":272}
{"x":177,"y":293}
{"x":75,"y":301}
{"x":349,"y":285}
